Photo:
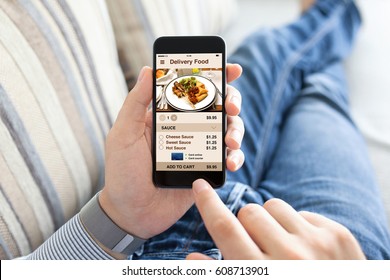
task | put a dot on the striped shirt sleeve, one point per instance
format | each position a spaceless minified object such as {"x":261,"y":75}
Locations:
{"x":70,"y":242}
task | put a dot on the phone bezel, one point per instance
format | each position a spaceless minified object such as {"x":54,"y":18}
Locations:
{"x":190,"y":45}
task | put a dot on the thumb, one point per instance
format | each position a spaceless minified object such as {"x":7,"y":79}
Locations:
{"x":133,"y":112}
{"x":142,"y":91}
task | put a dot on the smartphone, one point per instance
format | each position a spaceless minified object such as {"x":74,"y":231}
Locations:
{"x":189,"y":116}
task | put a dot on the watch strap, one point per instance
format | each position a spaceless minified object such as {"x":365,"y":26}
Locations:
{"x":105,"y":231}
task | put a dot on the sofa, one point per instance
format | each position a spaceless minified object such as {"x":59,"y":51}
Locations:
{"x":65,"y":69}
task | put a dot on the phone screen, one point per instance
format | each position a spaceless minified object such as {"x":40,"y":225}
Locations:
{"x":189,"y":115}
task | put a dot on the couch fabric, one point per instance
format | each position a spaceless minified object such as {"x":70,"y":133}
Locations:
{"x":60,"y":90}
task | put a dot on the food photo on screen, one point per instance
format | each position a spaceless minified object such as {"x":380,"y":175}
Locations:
{"x":189,"y":89}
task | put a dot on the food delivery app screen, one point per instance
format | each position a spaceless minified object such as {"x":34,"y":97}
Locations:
{"x":189,"y":112}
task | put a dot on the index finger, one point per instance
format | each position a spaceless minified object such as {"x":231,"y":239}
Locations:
{"x":225,"y":229}
{"x":233,"y":72}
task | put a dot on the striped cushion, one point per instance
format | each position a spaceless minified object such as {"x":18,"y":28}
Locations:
{"x":60,"y":90}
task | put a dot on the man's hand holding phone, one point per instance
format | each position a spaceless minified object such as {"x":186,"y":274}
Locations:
{"x":129,"y":197}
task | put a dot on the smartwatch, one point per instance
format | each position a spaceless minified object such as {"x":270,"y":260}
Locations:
{"x":105,"y":231}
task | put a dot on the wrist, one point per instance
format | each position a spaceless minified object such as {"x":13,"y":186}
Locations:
{"x":111,"y":237}
{"x":129,"y":219}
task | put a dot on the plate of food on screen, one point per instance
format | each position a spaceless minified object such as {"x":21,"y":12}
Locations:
{"x":190,"y":93}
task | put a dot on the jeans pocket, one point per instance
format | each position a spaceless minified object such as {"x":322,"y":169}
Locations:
{"x":233,"y":198}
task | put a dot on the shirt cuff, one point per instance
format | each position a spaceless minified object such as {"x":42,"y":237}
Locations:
{"x":70,"y":242}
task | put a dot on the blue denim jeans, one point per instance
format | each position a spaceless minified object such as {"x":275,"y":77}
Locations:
{"x":301,"y":144}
